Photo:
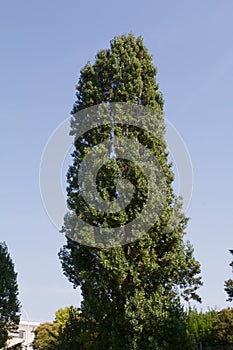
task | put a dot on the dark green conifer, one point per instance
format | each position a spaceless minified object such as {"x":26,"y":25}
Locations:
{"x":9,"y":303}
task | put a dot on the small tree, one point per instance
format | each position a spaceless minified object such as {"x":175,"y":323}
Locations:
{"x":71,"y":335}
{"x":46,"y":336}
{"x":9,"y":303}
{"x":62,"y":315}
{"x":223,"y":327}
{"x":68,"y":331}
{"x":229,"y":284}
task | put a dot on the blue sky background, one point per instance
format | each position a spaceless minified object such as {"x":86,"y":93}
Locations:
{"x":43,"y":46}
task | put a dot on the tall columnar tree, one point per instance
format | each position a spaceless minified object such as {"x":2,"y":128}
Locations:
{"x":132,"y":294}
{"x":9,"y":303}
{"x":229,"y":284}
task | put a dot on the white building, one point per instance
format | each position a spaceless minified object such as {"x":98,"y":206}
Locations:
{"x":24,"y":335}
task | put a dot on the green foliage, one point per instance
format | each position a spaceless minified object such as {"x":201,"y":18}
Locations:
{"x":62,"y":316}
{"x":68,"y":331}
{"x":200,"y":326}
{"x":212,"y":329}
{"x":229,"y":284}
{"x":123,"y":73}
{"x":46,"y":336}
{"x":75,"y":334}
{"x":9,"y":303}
{"x":223,"y":327}
{"x":229,"y":289}
{"x":131,"y":294}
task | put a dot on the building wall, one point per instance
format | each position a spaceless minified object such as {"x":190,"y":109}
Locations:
{"x":25,"y":335}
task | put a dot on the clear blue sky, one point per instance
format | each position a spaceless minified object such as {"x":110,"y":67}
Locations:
{"x":43,"y":46}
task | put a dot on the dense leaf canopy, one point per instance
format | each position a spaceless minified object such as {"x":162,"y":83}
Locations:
{"x":132,"y":294}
